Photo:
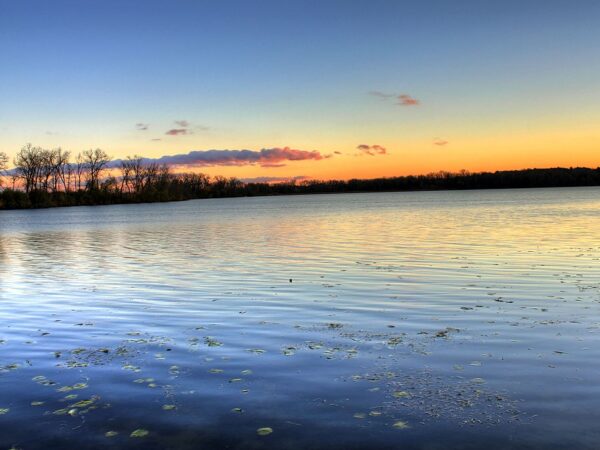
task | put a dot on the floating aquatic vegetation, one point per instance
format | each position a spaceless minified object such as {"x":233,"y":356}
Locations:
{"x":174,"y":370}
{"x":9,"y":367}
{"x":4,"y":411}
{"x":289,"y":351}
{"x":212,"y":342}
{"x":264,"y":431}
{"x":139,"y":433}
{"x":237,"y":410}
{"x":110,"y":434}
{"x":42,"y":380}
{"x":394,"y":341}
{"x":37,"y":403}
{"x":401,"y":425}
{"x":246,"y":372}
{"x":401,"y":394}
{"x":257,"y":351}
{"x":437,"y":396}
{"x":215,"y":370}
{"x":235,"y":380}
{"x":169,"y":407}
{"x":359,"y":415}
{"x":75,"y":364}
{"x":84,"y":403}
{"x":446,"y":332}
{"x":76,"y":386}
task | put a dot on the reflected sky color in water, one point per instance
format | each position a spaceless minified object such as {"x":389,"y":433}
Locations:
{"x":412,"y":320}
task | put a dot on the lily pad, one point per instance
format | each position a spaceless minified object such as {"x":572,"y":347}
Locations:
{"x":139,"y":433}
{"x":264,"y":431}
{"x":401,"y":394}
{"x":400,"y":425}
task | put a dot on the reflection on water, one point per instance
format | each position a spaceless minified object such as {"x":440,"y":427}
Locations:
{"x":401,"y":320}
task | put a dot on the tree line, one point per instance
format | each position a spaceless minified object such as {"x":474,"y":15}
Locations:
{"x":46,"y":178}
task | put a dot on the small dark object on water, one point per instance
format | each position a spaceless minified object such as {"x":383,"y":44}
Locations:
{"x":290,"y":280}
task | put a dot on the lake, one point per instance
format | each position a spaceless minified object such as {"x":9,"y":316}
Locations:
{"x":420,"y":320}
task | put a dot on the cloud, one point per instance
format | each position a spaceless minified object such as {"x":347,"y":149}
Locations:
{"x":402,"y":99}
{"x":182,"y":123}
{"x":141,"y":126}
{"x":440,"y":142}
{"x":267,"y":157}
{"x":372,"y":149}
{"x":272,"y":180}
{"x":156,"y":139}
{"x":337,"y":153}
{"x":381,"y":95}
{"x":176,"y":132}
{"x":407,"y":100}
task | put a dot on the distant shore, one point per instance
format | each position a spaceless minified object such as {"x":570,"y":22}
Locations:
{"x":197,"y":186}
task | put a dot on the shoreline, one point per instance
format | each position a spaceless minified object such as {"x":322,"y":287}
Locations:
{"x":296,"y":194}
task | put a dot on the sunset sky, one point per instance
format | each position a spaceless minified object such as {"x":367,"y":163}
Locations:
{"x":320,"y":89}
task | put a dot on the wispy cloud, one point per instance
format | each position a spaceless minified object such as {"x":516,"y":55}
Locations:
{"x":267,"y":157}
{"x":177,"y":132}
{"x":372,"y":149}
{"x":407,"y":100}
{"x":271,"y":180}
{"x":380,"y":94}
{"x":401,"y":99}
{"x":182,"y":123}
{"x":271,"y":166}
{"x":440,"y":142}
{"x":141,"y":126}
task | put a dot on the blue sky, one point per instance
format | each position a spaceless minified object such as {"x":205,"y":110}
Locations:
{"x":263,"y":74}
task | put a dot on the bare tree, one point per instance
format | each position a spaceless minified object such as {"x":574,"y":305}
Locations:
{"x":95,"y":162}
{"x":28,"y":164}
{"x":3,"y":161}
{"x":3,"y":165}
{"x":132,"y":170}
{"x":79,"y":171}
{"x":61,"y":168}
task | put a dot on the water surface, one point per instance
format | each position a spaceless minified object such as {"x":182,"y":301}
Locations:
{"x":398,"y":320}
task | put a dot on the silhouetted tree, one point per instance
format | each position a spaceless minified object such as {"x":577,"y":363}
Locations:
{"x":28,"y":166}
{"x":95,"y":162}
{"x":3,"y":165}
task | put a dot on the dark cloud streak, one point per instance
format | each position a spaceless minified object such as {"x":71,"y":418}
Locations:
{"x":267,"y":157}
{"x":372,"y":150}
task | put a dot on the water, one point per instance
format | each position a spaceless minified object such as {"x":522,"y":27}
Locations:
{"x":395,"y":320}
